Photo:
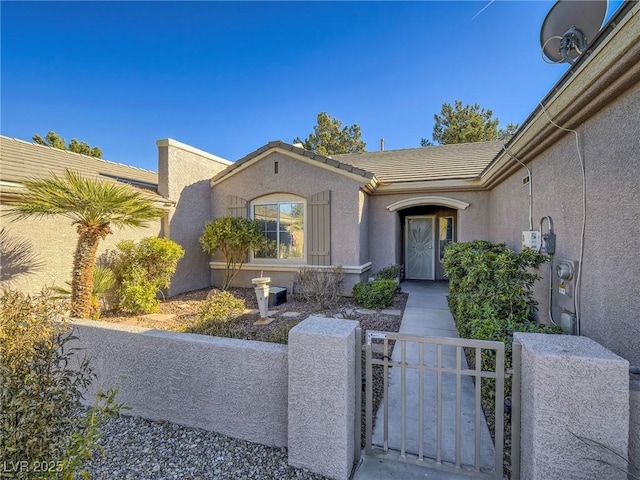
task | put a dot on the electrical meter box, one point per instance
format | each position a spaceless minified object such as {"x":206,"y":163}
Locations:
{"x":548,"y":244}
{"x":531,"y":239}
{"x":567,"y":271}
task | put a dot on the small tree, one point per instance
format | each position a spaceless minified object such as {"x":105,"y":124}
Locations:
{"x":142,"y":269}
{"x":234,"y":237}
{"x":93,"y":206}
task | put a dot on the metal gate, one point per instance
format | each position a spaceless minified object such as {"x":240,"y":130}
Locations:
{"x":430,"y":413}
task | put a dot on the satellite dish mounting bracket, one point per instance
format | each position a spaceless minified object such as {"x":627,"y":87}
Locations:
{"x":569,"y":26}
{"x":573,"y":39}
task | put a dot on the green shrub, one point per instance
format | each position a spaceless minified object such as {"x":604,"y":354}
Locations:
{"x":490,"y":295}
{"x":136,"y":294}
{"x":281,"y":332}
{"x":142,"y":270}
{"x":223,"y":306}
{"x":321,"y":287}
{"x":42,"y":381}
{"x":376,"y":294}
{"x":391,"y":272}
{"x":234,"y":237}
{"x":215,"y":316}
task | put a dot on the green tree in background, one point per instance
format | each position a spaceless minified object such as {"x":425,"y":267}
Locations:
{"x":329,"y":137}
{"x":466,"y":124}
{"x":52,"y":139}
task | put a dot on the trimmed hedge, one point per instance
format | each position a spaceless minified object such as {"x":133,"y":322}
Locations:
{"x":490,"y":295}
{"x":376,"y":294}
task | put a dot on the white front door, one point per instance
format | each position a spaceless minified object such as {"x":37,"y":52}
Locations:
{"x":419,"y":254}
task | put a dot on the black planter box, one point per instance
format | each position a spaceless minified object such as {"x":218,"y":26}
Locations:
{"x":277,"y":295}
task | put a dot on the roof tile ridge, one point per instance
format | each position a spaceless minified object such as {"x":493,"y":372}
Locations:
{"x":67,"y":152}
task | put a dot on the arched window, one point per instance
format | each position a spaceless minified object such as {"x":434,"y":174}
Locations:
{"x":282,"y":217}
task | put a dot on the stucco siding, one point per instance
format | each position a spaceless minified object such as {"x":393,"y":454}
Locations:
{"x":234,"y":387}
{"x":302,"y":179}
{"x":385,"y":227}
{"x":610,"y":146}
{"x":184,"y":176}
{"x":363,"y":220}
{"x":52,"y":243}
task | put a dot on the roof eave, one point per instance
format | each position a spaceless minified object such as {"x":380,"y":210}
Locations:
{"x":587,"y":87}
{"x":298,"y":153}
{"x":448,"y":185}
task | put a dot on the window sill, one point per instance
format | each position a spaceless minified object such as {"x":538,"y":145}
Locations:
{"x":292,"y":267}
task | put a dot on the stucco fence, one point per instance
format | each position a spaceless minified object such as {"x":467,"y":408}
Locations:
{"x":302,"y":396}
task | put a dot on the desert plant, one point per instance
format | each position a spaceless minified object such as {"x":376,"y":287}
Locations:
{"x":320,"y":286}
{"x":390,"y":272}
{"x":103,"y":280}
{"x":234,"y":237}
{"x":42,"y":381}
{"x":605,"y":455}
{"x":142,"y":269}
{"x":376,"y":294}
{"x":215,"y":316}
{"x":222,"y":305}
{"x":93,"y":206}
{"x":281,"y":332}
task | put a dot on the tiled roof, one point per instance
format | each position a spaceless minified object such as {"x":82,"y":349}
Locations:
{"x":339,"y":164}
{"x":20,"y":160}
{"x":442,"y":162}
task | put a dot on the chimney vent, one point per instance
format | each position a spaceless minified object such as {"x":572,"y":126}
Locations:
{"x":382,"y":144}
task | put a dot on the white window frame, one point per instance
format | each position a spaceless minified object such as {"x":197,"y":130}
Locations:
{"x":277,"y":199}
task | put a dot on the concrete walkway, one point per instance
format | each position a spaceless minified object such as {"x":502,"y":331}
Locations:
{"x":427,"y":314}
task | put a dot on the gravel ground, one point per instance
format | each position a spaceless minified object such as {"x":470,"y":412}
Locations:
{"x":138,"y":449}
{"x":179,"y":313}
{"x":135,"y":448}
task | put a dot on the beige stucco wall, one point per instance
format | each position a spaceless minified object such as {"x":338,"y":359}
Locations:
{"x":348,"y":204}
{"x":385,"y":229}
{"x":52,"y":241}
{"x":184,"y":173}
{"x":363,"y":221}
{"x":610,"y":144}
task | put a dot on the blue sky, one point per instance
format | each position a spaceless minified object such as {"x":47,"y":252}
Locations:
{"x":227,"y":77}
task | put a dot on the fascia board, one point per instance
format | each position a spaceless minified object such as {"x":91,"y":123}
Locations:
{"x":315,"y":163}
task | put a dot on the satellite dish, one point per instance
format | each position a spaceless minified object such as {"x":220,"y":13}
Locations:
{"x":569,"y":27}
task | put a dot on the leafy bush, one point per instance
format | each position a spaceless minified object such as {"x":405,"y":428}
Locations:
{"x":376,"y":294}
{"x":321,"y":287}
{"x":216,"y":315}
{"x":137,"y":294}
{"x":490,"y":295}
{"x":234,"y":237}
{"x":41,"y":384}
{"x":391,"y":272}
{"x":281,"y":332}
{"x":142,"y":269}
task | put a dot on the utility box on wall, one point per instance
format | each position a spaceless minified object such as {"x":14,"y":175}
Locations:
{"x":567,"y":271}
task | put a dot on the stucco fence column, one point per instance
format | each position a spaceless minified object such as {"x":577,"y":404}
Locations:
{"x":322,"y":396}
{"x":574,"y":409}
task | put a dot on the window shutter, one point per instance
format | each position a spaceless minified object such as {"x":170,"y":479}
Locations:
{"x":236,"y":206}
{"x":319,"y":226}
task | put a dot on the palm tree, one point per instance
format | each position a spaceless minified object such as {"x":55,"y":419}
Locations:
{"x":92,"y":206}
